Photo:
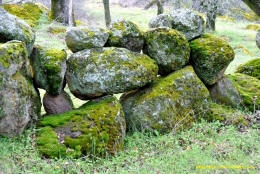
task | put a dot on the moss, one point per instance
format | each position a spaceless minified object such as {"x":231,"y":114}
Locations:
{"x":210,"y":55}
{"x":248,"y":87}
{"x":227,"y":19}
{"x":57,"y":30}
{"x":253,"y":27}
{"x":226,"y":115}
{"x":251,"y":68}
{"x":98,"y":125}
{"x":250,"y":16}
{"x":29,"y":12}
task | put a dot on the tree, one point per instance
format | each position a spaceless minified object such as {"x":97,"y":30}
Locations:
{"x":159,"y":4}
{"x":210,"y":8}
{"x":1,"y":2}
{"x":62,"y":11}
{"x":107,"y":12}
{"x":253,"y":5}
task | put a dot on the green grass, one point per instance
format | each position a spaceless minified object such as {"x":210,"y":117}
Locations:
{"x":205,"y":145}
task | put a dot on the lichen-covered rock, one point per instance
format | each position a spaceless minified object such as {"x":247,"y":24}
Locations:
{"x":12,"y":28}
{"x":126,"y":34}
{"x":257,"y":39}
{"x":251,"y":68}
{"x":226,"y":115}
{"x":162,"y":20}
{"x":19,"y":101}
{"x":169,"y":104}
{"x":248,"y":87}
{"x":96,"y":128}
{"x":80,"y":38}
{"x":188,"y":22}
{"x":57,"y":104}
{"x":169,"y":48}
{"x":30,"y":12}
{"x":96,"y":72}
{"x":210,"y":56}
{"x":49,"y":66}
{"x":224,"y":92}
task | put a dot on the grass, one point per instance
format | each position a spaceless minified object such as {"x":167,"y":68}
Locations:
{"x":205,"y":148}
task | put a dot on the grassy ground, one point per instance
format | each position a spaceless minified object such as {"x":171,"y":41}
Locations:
{"x":205,"y":148}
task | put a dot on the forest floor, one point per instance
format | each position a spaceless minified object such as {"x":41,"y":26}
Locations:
{"x":205,"y":148}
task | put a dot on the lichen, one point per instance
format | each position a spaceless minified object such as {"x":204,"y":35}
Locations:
{"x":248,"y":87}
{"x":251,"y":68}
{"x":97,"y":126}
{"x":210,"y":56}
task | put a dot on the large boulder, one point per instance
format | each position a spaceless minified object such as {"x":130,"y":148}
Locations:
{"x":96,"y":72}
{"x":257,"y":39}
{"x":170,"y":104}
{"x":169,"y":48}
{"x":49,"y":66}
{"x":126,"y":34}
{"x":19,"y":102}
{"x":162,"y":20}
{"x":224,"y":92}
{"x":188,"y":22}
{"x":251,"y":68}
{"x":248,"y":88}
{"x":97,"y":128}
{"x":80,"y":38}
{"x":57,"y":104}
{"x":210,"y":56}
{"x":12,"y":28}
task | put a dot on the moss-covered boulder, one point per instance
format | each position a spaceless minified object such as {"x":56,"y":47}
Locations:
{"x":169,"y":48}
{"x":224,"y":92}
{"x":226,"y":115}
{"x":126,"y":34}
{"x":188,"y":22}
{"x":30,"y":12}
{"x":57,"y":104}
{"x":170,"y":104}
{"x":12,"y":28}
{"x":96,"y":72}
{"x":248,"y":87}
{"x":19,"y":102}
{"x":257,"y":39}
{"x":96,"y":128}
{"x":251,"y":68}
{"x":161,"y":20}
{"x":49,"y":66}
{"x":210,"y":56}
{"x":80,"y":38}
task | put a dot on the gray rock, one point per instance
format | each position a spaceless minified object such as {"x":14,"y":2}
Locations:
{"x":49,"y":66}
{"x":188,"y":22}
{"x":170,"y":104}
{"x":162,"y":20}
{"x":126,"y":34}
{"x":97,"y":72}
{"x":19,"y":102}
{"x":57,"y":104}
{"x":80,"y":38}
{"x":168,"y":47}
{"x":257,"y":39}
{"x":224,"y":92}
{"x":12,"y":28}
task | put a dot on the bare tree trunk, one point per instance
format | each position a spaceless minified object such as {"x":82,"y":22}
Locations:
{"x":62,"y":11}
{"x":159,"y":7}
{"x":254,"y":5}
{"x":107,"y":12}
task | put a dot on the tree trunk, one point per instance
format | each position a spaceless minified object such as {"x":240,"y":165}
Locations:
{"x":107,"y":12}
{"x":1,"y":2}
{"x":159,"y":7}
{"x":62,"y":11}
{"x":253,"y":5}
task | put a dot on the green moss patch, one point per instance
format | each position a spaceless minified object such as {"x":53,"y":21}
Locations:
{"x":29,"y":12}
{"x":248,"y":87}
{"x":251,"y":68}
{"x":96,"y":128}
